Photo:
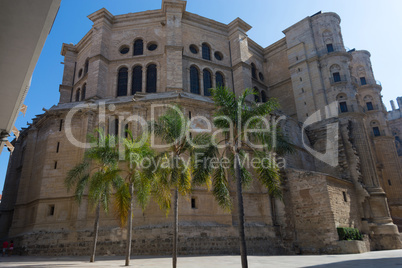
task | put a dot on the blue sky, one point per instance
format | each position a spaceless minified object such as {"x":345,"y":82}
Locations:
{"x":366,"y":24}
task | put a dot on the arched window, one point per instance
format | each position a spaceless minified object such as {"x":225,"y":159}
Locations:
{"x":122,"y":82}
{"x":253,"y":71}
{"x":263,"y":96}
{"x":86,"y":66}
{"x":206,"y":51}
{"x":151,"y":78}
{"x":220,"y":81}
{"x":257,"y":96}
{"x":77,"y":95}
{"x":84,"y":91}
{"x":207,"y":82}
{"x":137,"y":80}
{"x":138,"y":47}
{"x":343,"y":106}
{"x":194,"y":80}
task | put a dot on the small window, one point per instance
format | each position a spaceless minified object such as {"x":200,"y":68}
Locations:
{"x":124,"y":50}
{"x":218,"y":55}
{"x":193,"y":49}
{"x":194,"y":80}
{"x":55,"y":164}
{"x":193,"y":203}
{"x":58,"y":147}
{"x":61,"y":125}
{"x":302,"y":90}
{"x":152,"y":46}
{"x":297,"y":58}
{"x":253,"y":71}
{"x":151,"y":78}
{"x":376,"y":132}
{"x":301,"y":79}
{"x":389,"y":182}
{"x":80,"y":73}
{"x":261,"y":76}
{"x":337,"y":77}
{"x":206,"y":52}
{"x":345,"y":197}
{"x":369,"y":106}
{"x":220,"y":81}
{"x":138,"y":47}
{"x":189,"y":115}
{"x":343,"y":106}
{"x":330,"y":48}
{"x":51,"y":210}
{"x":122,"y":81}
{"x":363,"y":81}
{"x":207,"y":82}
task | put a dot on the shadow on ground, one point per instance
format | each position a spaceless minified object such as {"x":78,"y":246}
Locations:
{"x":367,"y":263}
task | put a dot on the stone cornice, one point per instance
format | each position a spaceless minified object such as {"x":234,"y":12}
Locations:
{"x":139,"y":18}
{"x":278,"y":44}
{"x":168,"y":5}
{"x":252,"y":45}
{"x":67,"y":47}
{"x":84,"y":41}
{"x":238,"y":25}
{"x":102,"y":13}
{"x":204,"y":23}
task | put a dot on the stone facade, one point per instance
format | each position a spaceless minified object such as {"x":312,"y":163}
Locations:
{"x":110,"y":78}
{"x":395,"y":124}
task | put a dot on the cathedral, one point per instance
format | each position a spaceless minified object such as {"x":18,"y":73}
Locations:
{"x":346,"y":171}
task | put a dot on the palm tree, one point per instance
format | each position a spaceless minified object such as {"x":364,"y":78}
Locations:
{"x":234,"y":116}
{"x":136,"y":178}
{"x":173,"y":172}
{"x":99,"y":174}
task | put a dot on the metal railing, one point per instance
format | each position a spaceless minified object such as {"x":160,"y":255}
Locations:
{"x":376,"y":107}
{"x":350,"y":108}
{"x":335,"y":48}
{"x":358,"y":82}
{"x":341,"y":78}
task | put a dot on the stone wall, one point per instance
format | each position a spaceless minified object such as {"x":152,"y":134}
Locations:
{"x":194,"y":239}
{"x":317,"y":209}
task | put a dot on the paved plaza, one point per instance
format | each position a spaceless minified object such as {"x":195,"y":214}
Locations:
{"x":389,"y":258}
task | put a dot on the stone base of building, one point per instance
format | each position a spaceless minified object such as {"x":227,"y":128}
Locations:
{"x":152,"y":240}
{"x":207,"y":239}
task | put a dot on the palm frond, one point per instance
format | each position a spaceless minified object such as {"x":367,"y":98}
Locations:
{"x":75,"y":174}
{"x":122,"y":203}
{"x":220,"y":188}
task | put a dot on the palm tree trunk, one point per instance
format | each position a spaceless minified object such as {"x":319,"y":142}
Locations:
{"x":130,"y":225}
{"x":176,"y":226}
{"x":96,"y":229}
{"x":240,"y":208}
